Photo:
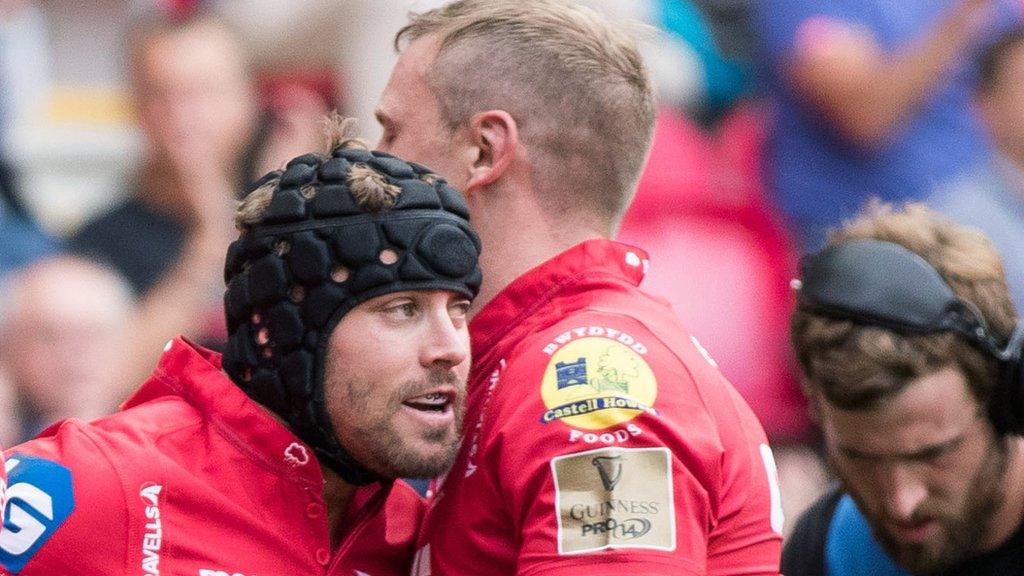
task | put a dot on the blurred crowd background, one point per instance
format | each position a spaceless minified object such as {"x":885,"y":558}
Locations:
{"x":127,"y":128}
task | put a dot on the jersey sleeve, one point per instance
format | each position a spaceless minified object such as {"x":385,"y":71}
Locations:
{"x":65,"y":511}
{"x":746,"y":539}
{"x":611,"y":459}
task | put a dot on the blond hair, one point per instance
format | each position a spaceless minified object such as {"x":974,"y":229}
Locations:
{"x":857,"y":366}
{"x":575,"y":85}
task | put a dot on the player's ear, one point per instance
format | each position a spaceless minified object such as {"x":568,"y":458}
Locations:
{"x":494,"y":137}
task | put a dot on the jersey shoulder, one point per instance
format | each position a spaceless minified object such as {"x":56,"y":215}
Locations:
{"x":66,"y":505}
{"x":602,"y":366}
{"x":78,"y":493}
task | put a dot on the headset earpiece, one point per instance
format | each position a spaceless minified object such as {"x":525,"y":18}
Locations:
{"x":1006,"y":408}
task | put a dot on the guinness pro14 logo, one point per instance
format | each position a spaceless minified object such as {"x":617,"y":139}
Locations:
{"x":614,"y":498}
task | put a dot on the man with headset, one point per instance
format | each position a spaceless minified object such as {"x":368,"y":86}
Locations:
{"x":910,"y":348}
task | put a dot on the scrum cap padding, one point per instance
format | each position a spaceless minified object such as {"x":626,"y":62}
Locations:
{"x":312,"y":257}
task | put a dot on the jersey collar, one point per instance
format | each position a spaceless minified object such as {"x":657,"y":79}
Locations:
{"x":591,"y":260}
{"x":194,"y":373}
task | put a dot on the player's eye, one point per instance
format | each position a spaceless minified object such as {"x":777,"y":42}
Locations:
{"x":401,"y":309}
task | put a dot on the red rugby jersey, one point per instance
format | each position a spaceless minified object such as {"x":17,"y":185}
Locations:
{"x":191,"y":478}
{"x":600,"y":439}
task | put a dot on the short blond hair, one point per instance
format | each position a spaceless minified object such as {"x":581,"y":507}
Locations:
{"x":857,"y":366}
{"x":576,"y":86}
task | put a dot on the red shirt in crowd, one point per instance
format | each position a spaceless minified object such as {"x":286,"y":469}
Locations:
{"x":191,"y":478}
{"x":600,"y":439}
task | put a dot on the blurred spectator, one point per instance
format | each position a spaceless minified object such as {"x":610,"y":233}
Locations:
{"x":991,"y":196}
{"x":20,"y":237}
{"x":914,"y":405}
{"x":198,"y":112}
{"x":726,"y":79}
{"x":62,"y":329}
{"x":871,"y":97}
{"x":688,"y":67}
{"x":197,"y":109}
{"x":730,"y":22}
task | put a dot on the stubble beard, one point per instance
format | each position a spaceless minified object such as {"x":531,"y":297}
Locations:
{"x":390,"y":453}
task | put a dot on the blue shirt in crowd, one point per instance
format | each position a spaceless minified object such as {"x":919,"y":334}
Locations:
{"x":819,"y":178}
{"x":21,"y":242}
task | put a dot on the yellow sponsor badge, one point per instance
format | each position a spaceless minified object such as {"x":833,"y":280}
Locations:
{"x":595,"y":383}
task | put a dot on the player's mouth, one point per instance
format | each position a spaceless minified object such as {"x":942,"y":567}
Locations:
{"x":434,"y":407}
{"x":913,"y":532}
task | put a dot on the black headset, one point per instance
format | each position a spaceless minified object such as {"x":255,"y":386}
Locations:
{"x":878,"y":283}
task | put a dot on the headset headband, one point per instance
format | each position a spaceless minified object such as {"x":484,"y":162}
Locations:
{"x":880,"y":283}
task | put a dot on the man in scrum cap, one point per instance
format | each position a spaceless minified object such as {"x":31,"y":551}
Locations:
{"x":347,"y":296}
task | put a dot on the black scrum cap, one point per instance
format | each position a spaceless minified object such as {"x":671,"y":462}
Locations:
{"x":313,"y":256}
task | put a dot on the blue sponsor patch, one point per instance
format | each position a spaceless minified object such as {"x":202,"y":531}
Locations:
{"x":39,"y":499}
